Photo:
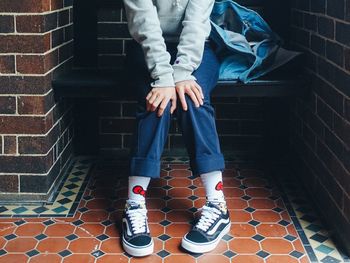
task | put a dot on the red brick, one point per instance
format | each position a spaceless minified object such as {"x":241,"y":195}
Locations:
{"x":6,"y":24}
{"x":56,"y":4}
{"x":35,"y":104}
{"x":38,"y":144}
{"x":25,"y":84}
{"x":7,"y":64}
{"x":9,"y":183}
{"x":7,"y":105}
{"x":26,"y":164}
{"x":36,"y":23}
{"x":25,"y":124}
{"x":24,"y":43}
{"x":27,"y":6}
{"x":10,"y":145}
{"x":37,"y":64}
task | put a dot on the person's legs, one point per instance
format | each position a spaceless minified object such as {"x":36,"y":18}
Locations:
{"x":206,"y":160}
{"x":148,"y":139}
{"x":198,"y":124}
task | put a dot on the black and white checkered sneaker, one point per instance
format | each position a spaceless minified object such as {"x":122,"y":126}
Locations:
{"x":213,"y":224}
{"x":136,"y":240}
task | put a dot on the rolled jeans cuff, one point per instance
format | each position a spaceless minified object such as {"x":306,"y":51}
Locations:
{"x":207,"y":164}
{"x":144,"y":167}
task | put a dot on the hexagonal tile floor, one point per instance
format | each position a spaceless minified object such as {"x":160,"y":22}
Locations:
{"x":272,"y":220}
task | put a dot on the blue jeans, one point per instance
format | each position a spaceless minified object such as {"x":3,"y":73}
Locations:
{"x":196,"y":124}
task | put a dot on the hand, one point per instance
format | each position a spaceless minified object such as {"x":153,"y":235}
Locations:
{"x":160,"y":97}
{"x":192,"y":88}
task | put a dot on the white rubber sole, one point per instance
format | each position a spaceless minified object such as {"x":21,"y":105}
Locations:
{"x":196,"y":248}
{"x":138,"y":251}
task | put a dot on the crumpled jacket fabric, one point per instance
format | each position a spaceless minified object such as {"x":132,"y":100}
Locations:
{"x":244,"y":43}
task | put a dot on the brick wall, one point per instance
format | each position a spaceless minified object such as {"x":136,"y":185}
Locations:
{"x":239,"y":120}
{"x":321,"y":122}
{"x":36,"y":39}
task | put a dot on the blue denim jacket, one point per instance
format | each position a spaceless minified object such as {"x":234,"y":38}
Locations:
{"x":245,"y":44}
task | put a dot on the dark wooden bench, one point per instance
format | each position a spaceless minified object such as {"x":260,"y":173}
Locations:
{"x":85,"y":80}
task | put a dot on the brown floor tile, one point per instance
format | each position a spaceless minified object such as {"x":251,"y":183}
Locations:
{"x":180,"y":173}
{"x":112,"y":245}
{"x":59,"y":230}
{"x":236,"y":203}
{"x":240,"y":216}
{"x":113,"y":230}
{"x":261,"y":203}
{"x":271,"y":230}
{"x":95,"y":216}
{"x":244,"y":245}
{"x":242,"y":230}
{"x":13,"y":258}
{"x":233,"y":192}
{"x":29,"y":229}
{"x":180,"y":259}
{"x":179,"y":182}
{"x":83,"y":245}
{"x":178,"y":229}
{"x":179,"y":203}
{"x":82,"y":258}
{"x":113,"y":259}
{"x":200,"y":192}
{"x":258,"y":192}
{"x":213,"y":258}
{"x":93,"y":229}
{"x":181,"y":192}
{"x":179,"y":216}
{"x":231,"y":182}
{"x":2,"y":242}
{"x":52,"y":245}
{"x":150,"y":259}
{"x":46,"y":258}
{"x":247,"y":259}
{"x":6,"y":228}
{"x":266,"y":216}
{"x":156,"y":229}
{"x":276,"y":246}
{"x":173,"y":245}
{"x":280,"y":258}
{"x":155,"y":203}
{"x":21,"y":244}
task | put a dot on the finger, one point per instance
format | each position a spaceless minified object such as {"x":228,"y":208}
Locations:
{"x":182,"y":98}
{"x":149,"y":95}
{"x":197,"y":94}
{"x":200,"y":88}
{"x":162,"y":106}
{"x":154,"y":97}
{"x":193,"y":97}
{"x":156,"y":102}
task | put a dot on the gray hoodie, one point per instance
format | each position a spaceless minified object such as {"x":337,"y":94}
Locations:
{"x":152,"y":22}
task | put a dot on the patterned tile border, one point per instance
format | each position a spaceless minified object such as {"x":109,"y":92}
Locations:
{"x":313,"y":233}
{"x":66,"y":199}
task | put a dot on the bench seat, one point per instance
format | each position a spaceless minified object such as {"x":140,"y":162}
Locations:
{"x":98,"y":83}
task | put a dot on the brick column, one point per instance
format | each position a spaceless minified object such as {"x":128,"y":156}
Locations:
{"x":36,"y":39}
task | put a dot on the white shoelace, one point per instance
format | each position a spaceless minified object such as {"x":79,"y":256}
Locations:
{"x":208,"y":217}
{"x":138,"y":219}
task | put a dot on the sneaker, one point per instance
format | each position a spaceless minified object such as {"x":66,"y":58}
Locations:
{"x":136,"y":235}
{"x":213,"y":224}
